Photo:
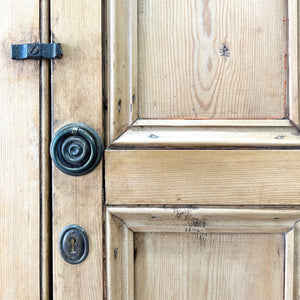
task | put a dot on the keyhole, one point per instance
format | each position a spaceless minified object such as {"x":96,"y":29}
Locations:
{"x":73,"y":242}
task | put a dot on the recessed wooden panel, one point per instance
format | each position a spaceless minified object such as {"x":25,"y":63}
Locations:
{"x":208,"y":266}
{"x":212,"y":59}
{"x":202,"y":253}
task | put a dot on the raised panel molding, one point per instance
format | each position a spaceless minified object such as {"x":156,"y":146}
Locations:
{"x":240,"y":229}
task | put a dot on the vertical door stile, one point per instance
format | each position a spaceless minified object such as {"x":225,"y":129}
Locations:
{"x":77,"y":97}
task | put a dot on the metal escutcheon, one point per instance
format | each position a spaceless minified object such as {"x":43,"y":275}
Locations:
{"x":74,"y":244}
{"x":76,"y":149}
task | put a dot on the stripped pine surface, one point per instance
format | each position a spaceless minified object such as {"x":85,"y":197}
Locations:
{"x":209,"y":266}
{"x":212,"y":59}
{"x":19,"y":155}
{"x":77,"y":97}
{"x":216,"y":177}
{"x":202,"y":253}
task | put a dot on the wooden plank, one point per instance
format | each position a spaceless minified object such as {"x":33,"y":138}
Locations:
{"x":236,"y":177}
{"x":211,"y":123}
{"x":183,"y":72}
{"x":120,"y":267}
{"x":206,"y":220}
{"x":297,"y":261}
{"x":209,"y":266}
{"x":77,"y":97}
{"x":19,"y":155}
{"x":293,"y":64}
{"x":289,"y":264}
{"x":193,"y":136}
{"x":121,"y":66}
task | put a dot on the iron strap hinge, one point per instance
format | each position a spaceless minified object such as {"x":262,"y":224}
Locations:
{"x":36,"y":51}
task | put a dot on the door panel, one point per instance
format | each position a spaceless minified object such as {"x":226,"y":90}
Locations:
{"x":202,"y":110}
{"x":162,"y":253}
{"x":77,"y":97}
{"x":209,"y":266}
{"x":20,"y":199}
{"x":212,"y":59}
{"x":233,"y":66}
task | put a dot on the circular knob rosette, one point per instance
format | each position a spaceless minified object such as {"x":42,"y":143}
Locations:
{"x":76,"y":149}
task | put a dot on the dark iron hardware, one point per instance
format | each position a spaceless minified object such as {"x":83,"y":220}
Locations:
{"x":36,"y":51}
{"x":76,"y":149}
{"x":74,"y":244}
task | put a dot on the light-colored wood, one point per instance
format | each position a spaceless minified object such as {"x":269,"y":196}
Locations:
{"x":209,"y":136}
{"x":121,"y":69}
{"x":77,"y":97}
{"x":209,"y":266}
{"x":239,"y":177}
{"x":211,"y":123}
{"x":45,"y":134}
{"x":293,"y":64}
{"x":206,"y":220}
{"x":182,"y":73}
{"x":120,"y":255}
{"x":297,"y":262}
{"x":254,"y":253}
{"x":19,"y":155}
{"x":289,"y":263}
{"x":248,"y":84}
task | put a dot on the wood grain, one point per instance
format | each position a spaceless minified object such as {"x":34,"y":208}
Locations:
{"x":207,"y":220}
{"x":297,"y":261}
{"x":77,"y":97}
{"x":209,"y":266}
{"x":120,"y":255}
{"x":225,"y":253}
{"x":293,"y":63}
{"x":19,"y":155}
{"x":236,"y":177}
{"x":206,"y":135}
{"x":182,"y":73}
{"x":121,"y":66}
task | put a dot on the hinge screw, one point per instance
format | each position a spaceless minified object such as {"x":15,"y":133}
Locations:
{"x":33,"y":49}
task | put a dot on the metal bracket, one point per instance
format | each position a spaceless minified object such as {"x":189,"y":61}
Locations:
{"x":36,"y":51}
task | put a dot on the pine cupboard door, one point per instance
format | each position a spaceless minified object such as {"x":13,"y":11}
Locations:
{"x":202,"y":160}
{"x":23,"y":193}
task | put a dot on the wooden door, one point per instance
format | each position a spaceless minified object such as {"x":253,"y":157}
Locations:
{"x":201,"y":169}
{"x":201,"y":119}
{"x":24,"y":189}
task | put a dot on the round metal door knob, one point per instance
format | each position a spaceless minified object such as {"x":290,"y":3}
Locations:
{"x":76,"y":149}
